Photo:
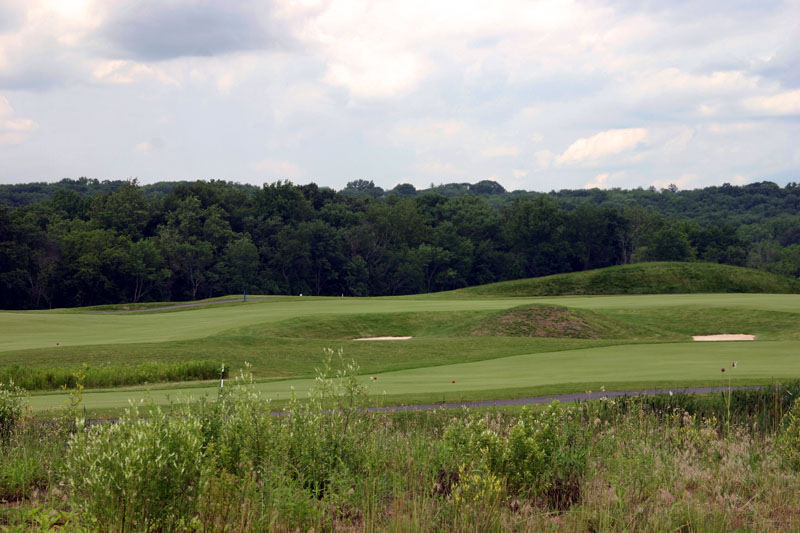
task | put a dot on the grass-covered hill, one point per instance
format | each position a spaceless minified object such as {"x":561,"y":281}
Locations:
{"x":645,"y":278}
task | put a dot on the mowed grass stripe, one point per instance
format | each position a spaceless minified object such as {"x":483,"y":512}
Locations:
{"x":630,"y":366}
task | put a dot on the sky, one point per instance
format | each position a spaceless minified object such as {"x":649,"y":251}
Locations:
{"x":536,"y":95}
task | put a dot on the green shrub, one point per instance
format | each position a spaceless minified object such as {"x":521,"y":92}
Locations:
{"x":543,"y":454}
{"x":546,"y":455}
{"x":328,"y":435}
{"x":138,"y":474}
{"x":238,"y":428}
{"x":12,"y":403}
{"x":471,"y":441}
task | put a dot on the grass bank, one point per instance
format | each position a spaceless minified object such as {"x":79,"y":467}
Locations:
{"x":644,"y":278}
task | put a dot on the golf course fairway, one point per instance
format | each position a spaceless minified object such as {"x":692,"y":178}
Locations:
{"x":461,"y":348}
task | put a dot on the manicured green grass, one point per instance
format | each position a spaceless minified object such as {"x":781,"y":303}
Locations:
{"x":629,"y":366}
{"x":493,"y":347}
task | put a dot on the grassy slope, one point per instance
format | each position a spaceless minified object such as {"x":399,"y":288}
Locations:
{"x":644,"y":278}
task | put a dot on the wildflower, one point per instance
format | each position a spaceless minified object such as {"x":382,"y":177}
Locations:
{"x":453,"y":381}
{"x":723,"y":370}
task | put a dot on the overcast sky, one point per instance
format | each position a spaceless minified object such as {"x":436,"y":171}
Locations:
{"x":535,"y":95}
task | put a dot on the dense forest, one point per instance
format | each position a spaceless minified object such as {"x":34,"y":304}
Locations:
{"x":87,"y":242}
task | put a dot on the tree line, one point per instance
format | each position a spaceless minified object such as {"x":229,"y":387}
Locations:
{"x":90,"y":243}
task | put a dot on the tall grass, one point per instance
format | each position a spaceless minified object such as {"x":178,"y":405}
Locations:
{"x":633,"y":464}
{"x":112,"y":375}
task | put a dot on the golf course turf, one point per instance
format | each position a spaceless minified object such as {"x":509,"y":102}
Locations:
{"x":463,"y":347}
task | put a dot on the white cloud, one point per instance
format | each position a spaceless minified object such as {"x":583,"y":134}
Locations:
{"x":519,"y":173}
{"x":678,"y":143}
{"x":153,"y":146}
{"x":785,"y":103}
{"x":544,"y":158}
{"x":672,"y":80}
{"x":599,"y":182}
{"x":21,"y":124}
{"x":427,"y":129}
{"x":278,"y":168}
{"x":370,"y":74}
{"x":5,"y":107}
{"x":681,"y":181}
{"x":500,"y":151}
{"x":439,"y":169}
{"x":125,"y":72}
{"x":13,"y":129}
{"x":731,"y":128}
{"x":600,"y":145}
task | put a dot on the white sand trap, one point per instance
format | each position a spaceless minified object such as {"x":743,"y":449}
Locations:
{"x":383,"y":339}
{"x":725,"y":337}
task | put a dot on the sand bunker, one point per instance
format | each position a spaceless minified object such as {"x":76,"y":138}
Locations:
{"x":383,"y":339}
{"x":724,"y":337}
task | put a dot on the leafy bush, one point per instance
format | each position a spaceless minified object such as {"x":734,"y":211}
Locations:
{"x":12,"y":402}
{"x":327,"y":435}
{"x":542,"y":455}
{"x":546,"y":455}
{"x":138,"y":474}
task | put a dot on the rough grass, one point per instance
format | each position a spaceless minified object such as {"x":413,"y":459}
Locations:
{"x":669,"y":463}
{"x":33,"y":378}
{"x":552,"y":321}
{"x":644,"y":278}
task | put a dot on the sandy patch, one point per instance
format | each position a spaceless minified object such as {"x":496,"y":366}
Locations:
{"x":383,"y":339}
{"x":725,"y":337}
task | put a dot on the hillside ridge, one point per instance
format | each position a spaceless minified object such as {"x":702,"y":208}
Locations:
{"x":644,"y":278}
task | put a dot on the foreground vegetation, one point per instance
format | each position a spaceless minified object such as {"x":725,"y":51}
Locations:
{"x":716,"y":463}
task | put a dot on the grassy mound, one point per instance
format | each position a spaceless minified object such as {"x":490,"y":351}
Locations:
{"x":552,"y":321}
{"x":549,"y":321}
{"x":644,"y":278}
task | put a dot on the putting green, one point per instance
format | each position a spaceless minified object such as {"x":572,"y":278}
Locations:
{"x":636,"y":364}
